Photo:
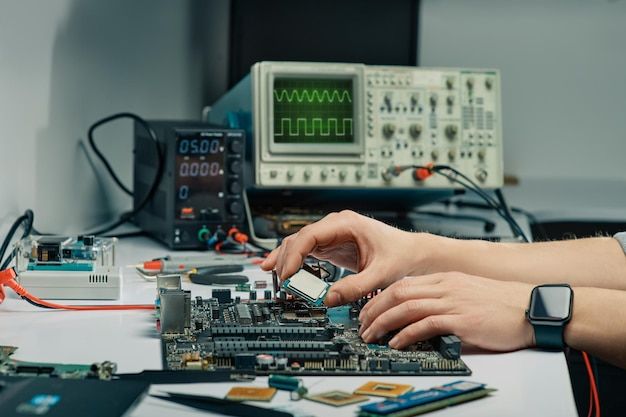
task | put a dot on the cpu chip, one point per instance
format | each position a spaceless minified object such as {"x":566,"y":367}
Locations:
{"x":337,"y":398}
{"x":251,"y":394}
{"x":306,"y":286}
{"x":383,"y":389}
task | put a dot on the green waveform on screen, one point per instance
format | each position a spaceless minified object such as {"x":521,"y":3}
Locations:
{"x":315,"y":126}
{"x":320,"y":96}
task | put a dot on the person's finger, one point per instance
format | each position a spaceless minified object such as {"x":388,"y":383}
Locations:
{"x":270,"y":261}
{"x":353,"y":287}
{"x":331,"y":229}
{"x":280,"y":263}
{"x":425,"y":329}
{"x":399,"y":292}
{"x":401,"y":316}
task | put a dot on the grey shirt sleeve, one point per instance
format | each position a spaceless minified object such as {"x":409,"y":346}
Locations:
{"x":621,"y":238}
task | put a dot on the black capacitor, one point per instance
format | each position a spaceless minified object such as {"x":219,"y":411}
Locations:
{"x":268,"y":294}
{"x":252,"y":295}
{"x":199,"y":301}
{"x":237,"y":299}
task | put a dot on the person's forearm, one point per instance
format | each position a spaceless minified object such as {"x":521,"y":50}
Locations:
{"x":597,"y":262}
{"x":598,"y":324}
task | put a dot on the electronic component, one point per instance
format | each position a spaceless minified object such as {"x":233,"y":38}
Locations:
{"x":383,"y":389}
{"x":342,"y":125}
{"x":288,"y":336}
{"x":11,"y":367}
{"x":175,"y":311}
{"x":200,"y":195}
{"x":251,"y":394}
{"x":422,"y":401}
{"x":295,"y":386}
{"x":303,"y":284}
{"x":63,"y":267}
{"x":337,"y":398}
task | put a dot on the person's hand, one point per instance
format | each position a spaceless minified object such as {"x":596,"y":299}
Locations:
{"x":482,"y":312}
{"x":380,"y":254}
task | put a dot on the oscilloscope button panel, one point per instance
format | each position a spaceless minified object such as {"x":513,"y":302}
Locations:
{"x":401,"y":116}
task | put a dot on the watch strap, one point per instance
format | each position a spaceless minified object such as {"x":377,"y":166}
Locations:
{"x":549,"y":336}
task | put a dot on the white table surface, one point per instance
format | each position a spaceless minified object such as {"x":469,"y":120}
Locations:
{"x":528,"y":382}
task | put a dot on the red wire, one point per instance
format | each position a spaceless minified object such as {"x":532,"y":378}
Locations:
{"x":592,"y":385}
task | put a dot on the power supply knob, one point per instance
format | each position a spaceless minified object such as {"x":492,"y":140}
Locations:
{"x":235,"y":207}
{"x":470,"y":83}
{"x":434,"y":154}
{"x":359,"y":174}
{"x":415,"y":130}
{"x":324,"y":173}
{"x":343,"y":174}
{"x":433,"y":101}
{"x":450,"y":83}
{"x":235,"y":167}
{"x":290,"y":173}
{"x":450,"y":101}
{"x":388,"y":130}
{"x":234,"y":187}
{"x":488,"y":83}
{"x":451,"y":155}
{"x":235,"y":146}
{"x":307,"y":174}
{"x":451,"y":131}
{"x":482,"y":154}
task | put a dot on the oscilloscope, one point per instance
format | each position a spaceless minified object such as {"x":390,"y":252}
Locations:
{"x":332,"y":125}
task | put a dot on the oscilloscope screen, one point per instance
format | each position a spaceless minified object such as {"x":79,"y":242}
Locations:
{"x":310,"y":110}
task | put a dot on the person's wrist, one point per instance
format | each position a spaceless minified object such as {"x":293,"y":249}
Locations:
{"x":424,"y":254}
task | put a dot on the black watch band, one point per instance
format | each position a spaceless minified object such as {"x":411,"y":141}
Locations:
{"x":549,"y":336}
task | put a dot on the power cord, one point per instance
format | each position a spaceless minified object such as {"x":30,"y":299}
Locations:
{"x":27,"y":219}
{"x":157,"y":178}
{"x":422,"y":172}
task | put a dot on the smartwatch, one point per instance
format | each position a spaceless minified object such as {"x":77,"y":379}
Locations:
{"x":550,"y":309}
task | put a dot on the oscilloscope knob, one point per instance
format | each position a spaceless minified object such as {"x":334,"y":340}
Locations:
{"x":343,"y":173}
{"x":433,"y":100}
{"x":324,"y":173}
{"x":451,"y":131}
{"x":415,"y":130}
{"x":481,"y":175}
{"x":359,"y":174}
{"x":388,"y":130}
{"x":307,"y":174}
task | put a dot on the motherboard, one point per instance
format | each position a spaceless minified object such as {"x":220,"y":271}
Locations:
{"x":281,"y":334}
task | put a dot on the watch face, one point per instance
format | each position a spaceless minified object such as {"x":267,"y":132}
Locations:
{"x":550,"y":303}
